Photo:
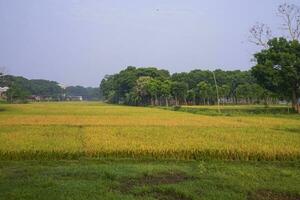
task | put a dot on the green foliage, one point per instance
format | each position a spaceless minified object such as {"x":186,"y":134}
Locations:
{"x":31,"y":87}
{"x":251,"y":93}
{"x":205,"y":91}
{"x":241,"y":110}
{"x":151,"y":86}
{"x":179,"y":91}
{"x":88,"y":93}
{"x":44,"y":88}
{"x":22,"y":88}
{"x":16,"y":94}
{"x":278,"y":68}
{"x":126,"y":85}
{"x":191,"y":96}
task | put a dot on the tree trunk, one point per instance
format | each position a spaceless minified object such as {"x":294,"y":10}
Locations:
{"x":295,"y":103}
{"x":156,"y":101}
{"x":152,"y":102}
{"x":167,"y":104}
{"x":265,"y":102}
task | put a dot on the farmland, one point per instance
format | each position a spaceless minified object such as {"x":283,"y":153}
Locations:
{"x":90,"y":150}
{"x":68,"y":130}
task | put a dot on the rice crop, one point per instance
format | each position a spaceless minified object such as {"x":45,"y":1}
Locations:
{"x":75,"y":130}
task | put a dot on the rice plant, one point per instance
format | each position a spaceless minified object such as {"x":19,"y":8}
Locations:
{"x":74,"y":130}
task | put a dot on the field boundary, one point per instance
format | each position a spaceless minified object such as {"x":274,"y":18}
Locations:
{"x":150,"y":155}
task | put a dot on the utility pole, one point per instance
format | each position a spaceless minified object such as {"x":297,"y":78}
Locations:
{"x":217,"y":92}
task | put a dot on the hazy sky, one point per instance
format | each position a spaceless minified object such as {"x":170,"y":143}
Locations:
{"x":77,"y":42}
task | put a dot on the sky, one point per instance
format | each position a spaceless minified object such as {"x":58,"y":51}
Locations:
{"x":78,"y":42}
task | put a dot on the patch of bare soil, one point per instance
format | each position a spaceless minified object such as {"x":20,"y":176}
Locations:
{"x":167,"y":195}
{"x":157,"y":179}
{"x":272,"y":195}
{"x":128,"y":184}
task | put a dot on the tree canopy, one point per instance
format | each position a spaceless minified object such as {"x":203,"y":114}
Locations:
{"x":21,"y":88}
{"x":278,"y":68}
{"x":152,"y":86}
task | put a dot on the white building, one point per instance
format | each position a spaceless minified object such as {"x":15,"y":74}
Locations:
{"x":3,"y":90}
{"x":74,"y":98}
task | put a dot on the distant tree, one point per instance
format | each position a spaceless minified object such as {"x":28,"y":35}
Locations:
{"x":142,"y":89}
{"x":88,"y":93}
{"x":16,"y":94}
{"x":165,"y":91}
{"x":244,"y":92}
{"x":179,"y":91}
{"x":118,"y":87}
{"x":205,"y":91}
{"x":278,"y":68}
{"x":132,"y":98}
{"x":145,"y":86}
{"x":108,"y":89}
{"x":93,"y":93}
{"x":33,"y":87}
{"x":224,"y":91}
{"x":154,"y":90}
{"x":44,"y":88}
{"x":191,"y":96}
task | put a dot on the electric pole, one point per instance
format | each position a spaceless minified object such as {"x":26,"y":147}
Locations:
{"x":217,"y":92}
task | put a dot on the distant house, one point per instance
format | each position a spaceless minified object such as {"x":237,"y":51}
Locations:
{"x":74,"y":98}
{"x":35,"y":98}
{"x":3,"y":90}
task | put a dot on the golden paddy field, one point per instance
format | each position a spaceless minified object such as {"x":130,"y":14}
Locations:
{"x":74,"y":130}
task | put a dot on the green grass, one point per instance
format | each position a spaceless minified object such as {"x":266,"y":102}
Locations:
{"x":241,"y":110}
{"x":129,"y":179}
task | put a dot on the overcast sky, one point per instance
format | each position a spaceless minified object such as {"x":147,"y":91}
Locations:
{"x":77,"y":42}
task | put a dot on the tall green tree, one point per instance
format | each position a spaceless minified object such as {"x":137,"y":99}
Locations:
{"x":165,"y":91}
{"x":16,"y":94}
{"x":191,"y":96}
{"x":205,"y":91}
{"x":142,"y":89}
{"x":224,"y":91}
{"x":278,"y":69}
{"x":179,"y":91}
{"x":154,"y":90}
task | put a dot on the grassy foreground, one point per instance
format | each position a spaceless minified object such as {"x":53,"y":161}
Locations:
{"x":168,"y":180}
{"x":74,"y":130}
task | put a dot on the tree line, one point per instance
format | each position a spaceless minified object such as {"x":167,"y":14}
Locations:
{"x":21,"y":89}
{"x":152,"y":86}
